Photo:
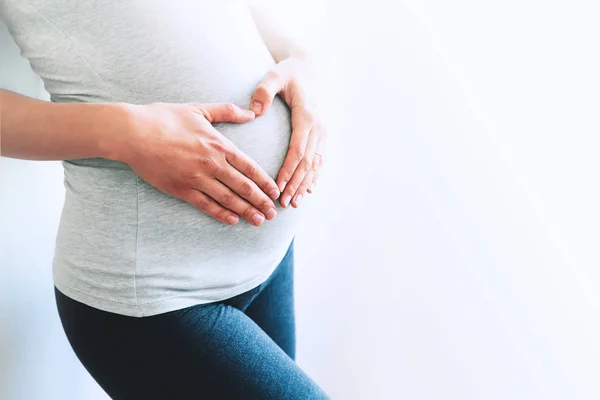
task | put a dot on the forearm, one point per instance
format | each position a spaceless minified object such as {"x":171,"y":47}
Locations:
{"x":301,"y":65}
{"x":280,"y":43}
{"x":32,"y":129}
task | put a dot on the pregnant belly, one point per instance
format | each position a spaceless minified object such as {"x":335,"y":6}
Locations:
{"x":112,"y":217}
{"x":265,"y":140}
{"x":120,"y":237}
{"x":161,"y":217}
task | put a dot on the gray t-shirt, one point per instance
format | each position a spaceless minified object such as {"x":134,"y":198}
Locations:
{"x":123,"y":246}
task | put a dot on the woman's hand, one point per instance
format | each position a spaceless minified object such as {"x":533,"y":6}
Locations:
{"x":305,"y":155}
{"x":175,"y":148}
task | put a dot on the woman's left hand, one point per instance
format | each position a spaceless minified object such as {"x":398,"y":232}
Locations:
{"x":300,"y":169}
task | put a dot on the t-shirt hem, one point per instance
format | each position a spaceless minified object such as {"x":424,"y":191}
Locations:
{"x":159,"y":306}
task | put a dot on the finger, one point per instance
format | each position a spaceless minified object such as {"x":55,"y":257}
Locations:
{"x":256,"y":174}
{"x":210,"y":207}
{"x":224,"y":112}
{"x":300,"y":134}
{"x":313,"y":184}
{"x":304,"y":186}
{"x":311,"y":188}
{"x":301,"y":170}
{"x":266,"y":91}
{"x":315,"y":180}
{"x":317,"y":163}
{"x":248,"y":190}
{"x":230,"y":200}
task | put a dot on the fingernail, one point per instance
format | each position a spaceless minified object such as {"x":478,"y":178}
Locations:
{"x":273,"y":194}
{"x":282,"y":185}
{"x":298,"y":198}
{"x":232,"y":220}
{"x":286,"y":200}
{"x":257,"y":219}
{"x":271,"y":213}
{"x":256,"y":107}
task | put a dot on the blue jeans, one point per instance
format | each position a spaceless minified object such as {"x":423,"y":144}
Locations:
{"x":239,"y":348}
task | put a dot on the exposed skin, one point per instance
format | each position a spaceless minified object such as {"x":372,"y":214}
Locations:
{"x":291,"y":79}
{"x":174,"y":147}
{"x":215,"y":176}
{"x":300,"y":169}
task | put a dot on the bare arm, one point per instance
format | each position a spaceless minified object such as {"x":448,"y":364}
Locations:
{"x":293,"y":79}
{"x":174,"y":147}
{"x":280,"y":43}
{"x":40,"y":130}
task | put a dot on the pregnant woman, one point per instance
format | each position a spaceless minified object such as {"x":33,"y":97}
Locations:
{"x":186,"y":135}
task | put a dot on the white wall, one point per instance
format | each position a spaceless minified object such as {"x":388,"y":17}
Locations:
{"x":36,"y":361}
{"x":452,"y":251}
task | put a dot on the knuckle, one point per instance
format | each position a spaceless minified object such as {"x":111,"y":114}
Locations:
{"x":287,"y":174}
{"x":221,"y":214}
{"x":248,"y":212}
{"x":229,"y":108}
{"x":292,"y":187}
{"x":227,"y":199}
{"x":266,"y":205}
{"x":297,"y":151}
{"x":208,"y":164}
{"x":246,"y":189}
{"x":304,"y":165}
{"x":317,"y":162}
{"x":232,"y":156}
{"x":202,"y":203}
{"x":268,"y":187}
{"x":250,"y":171}
{"x":196,"y":108}
{"x":221,"y":147}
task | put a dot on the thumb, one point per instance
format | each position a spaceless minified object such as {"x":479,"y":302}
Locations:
{"x":225,"y":112}
{"x":266,"y":91}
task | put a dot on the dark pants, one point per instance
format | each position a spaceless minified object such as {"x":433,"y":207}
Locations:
{"x":240,"y":348}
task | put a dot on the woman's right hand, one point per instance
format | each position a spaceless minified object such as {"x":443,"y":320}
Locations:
{"x":175,"y":148}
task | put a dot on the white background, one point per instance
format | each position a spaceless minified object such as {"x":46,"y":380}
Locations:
{"x":452,"y":248}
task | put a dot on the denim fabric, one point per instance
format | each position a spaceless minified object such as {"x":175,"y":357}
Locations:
{"x":240,"y":348}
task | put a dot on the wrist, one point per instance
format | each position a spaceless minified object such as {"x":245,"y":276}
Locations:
{"x":302,"y":72}
{"x":300,"y":63}
{"x":116,"y":142}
